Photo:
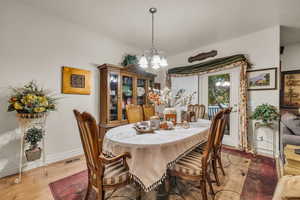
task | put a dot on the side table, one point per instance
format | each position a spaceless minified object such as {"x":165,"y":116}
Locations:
{"x":258,"y":125}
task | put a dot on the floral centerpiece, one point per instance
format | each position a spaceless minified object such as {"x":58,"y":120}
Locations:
{"x":169,"y":101}
{"x":165,"y":97}
{"x":31,"y":100}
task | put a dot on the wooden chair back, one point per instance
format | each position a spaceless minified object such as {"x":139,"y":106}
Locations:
{"x":214,"y":130}
{"x":220,"y":135}
{"x":149,"y":111}
{"x":198,"y":109}
{"x":92,"y":147}
{"x":134,"y":113}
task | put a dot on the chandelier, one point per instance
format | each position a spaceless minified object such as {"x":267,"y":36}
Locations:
{"x":152,"y":58}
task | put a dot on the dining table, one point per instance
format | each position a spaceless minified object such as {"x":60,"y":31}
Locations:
{"x":153,"y":153}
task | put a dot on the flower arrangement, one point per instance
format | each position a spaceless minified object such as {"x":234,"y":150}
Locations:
{"x":165,"y":97}
{"x":266,"y":113}
{"x":31,"y":99}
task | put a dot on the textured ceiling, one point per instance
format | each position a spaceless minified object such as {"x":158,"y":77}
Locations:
{"x":180,"y":24}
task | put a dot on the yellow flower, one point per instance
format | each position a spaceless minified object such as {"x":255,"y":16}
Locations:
{"x":18,"y":106}
{"x":29,"y":98}
{"x":43,"y":101}
{"x":39,"y":109}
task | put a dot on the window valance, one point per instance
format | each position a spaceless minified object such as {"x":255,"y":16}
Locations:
{"x":207,"y":65}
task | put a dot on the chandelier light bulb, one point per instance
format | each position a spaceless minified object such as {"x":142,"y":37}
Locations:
{"x":143,"y":62}
{"x":163,"y":62}
{"x":155,"y":66}
{"x":155,"y":60}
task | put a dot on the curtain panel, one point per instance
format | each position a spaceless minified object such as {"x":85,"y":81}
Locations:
{"x":216,"y":66}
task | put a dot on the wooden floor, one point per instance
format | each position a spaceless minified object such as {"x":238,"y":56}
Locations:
{"x":34,"y":185}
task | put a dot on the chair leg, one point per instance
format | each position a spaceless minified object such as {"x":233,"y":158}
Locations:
{"x":221,"y":165}
{"x":215,"y":171}
{"x":103,"y":195}
{"x":88,"y":191}
{"x":210,"y":185}
{"x":100,"y":195}
{"x":139,"y":193}
{"x":203,"y":189}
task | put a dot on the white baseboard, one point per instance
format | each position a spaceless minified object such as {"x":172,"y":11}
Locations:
{"x":266,"y":152}
{"x":49,"y":159}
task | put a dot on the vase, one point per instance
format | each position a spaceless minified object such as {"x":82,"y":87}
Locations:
{"x":262,"y":124}
{"x":170,"y":110}
{"x":33,"y":154}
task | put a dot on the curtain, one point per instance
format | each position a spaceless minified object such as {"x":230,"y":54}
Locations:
{"x":243,"y":133}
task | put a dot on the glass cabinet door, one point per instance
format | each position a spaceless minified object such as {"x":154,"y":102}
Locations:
{"x":151,"y":84}
{"x":127,"y":94}
{"x":113,"y":96}
{"x":141,"y":91}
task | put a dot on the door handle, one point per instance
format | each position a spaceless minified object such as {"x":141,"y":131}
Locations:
{"x":234,"y":108}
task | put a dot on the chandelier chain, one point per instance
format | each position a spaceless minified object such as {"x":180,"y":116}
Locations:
{"x":152,"y":30}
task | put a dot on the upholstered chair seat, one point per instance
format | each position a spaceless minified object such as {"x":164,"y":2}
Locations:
{"x":115,"y":173}
{"x":190,"y":165}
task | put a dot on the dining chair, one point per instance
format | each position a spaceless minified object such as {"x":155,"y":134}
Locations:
{"x":195,"y":165}
{"x":217,"y":149}
{"x":103,"y":173}
{"x":149,"y":111}
{"x":198,"y":109}
{"x":217,"y":157}
{"x":134,"y":113}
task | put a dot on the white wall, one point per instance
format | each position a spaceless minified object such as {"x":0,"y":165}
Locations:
{"x":291,"y":57}
{"x":262,"y":50}
{"x":34,"y":45}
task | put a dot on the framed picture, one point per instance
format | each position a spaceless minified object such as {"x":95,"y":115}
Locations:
{"x":262,"y":79}
{"x":76,"y":81}
{"x":290,"y":90}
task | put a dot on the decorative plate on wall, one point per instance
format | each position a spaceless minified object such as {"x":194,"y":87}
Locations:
{"x":76,"y":81}
{"x":140,"y":91}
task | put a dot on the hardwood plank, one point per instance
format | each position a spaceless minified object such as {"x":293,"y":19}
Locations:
{"x":34,"y":185}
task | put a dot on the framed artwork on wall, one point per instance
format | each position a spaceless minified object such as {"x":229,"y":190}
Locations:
{"x":262,"y":79}
{"x":290,"y":90}
{"x":76,"y":81}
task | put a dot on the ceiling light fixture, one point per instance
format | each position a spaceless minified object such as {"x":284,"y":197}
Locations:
{"x":153,"y":57}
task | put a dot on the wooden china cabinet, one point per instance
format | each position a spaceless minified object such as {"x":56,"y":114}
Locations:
{"x":120,"y":86}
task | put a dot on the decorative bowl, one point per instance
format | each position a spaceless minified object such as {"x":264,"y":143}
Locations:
{"x":143,"y":127}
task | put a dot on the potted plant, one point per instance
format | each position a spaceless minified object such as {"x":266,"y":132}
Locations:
{"x":266,"y":114}
{"x":130,"y":60}
{"x":33,"y":137}
{"x":30,"y":101}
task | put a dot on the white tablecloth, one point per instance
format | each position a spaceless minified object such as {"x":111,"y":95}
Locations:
{"x":153,"y":153}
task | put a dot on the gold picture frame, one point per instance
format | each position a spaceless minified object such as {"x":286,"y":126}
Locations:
{"x":76,"y":81}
